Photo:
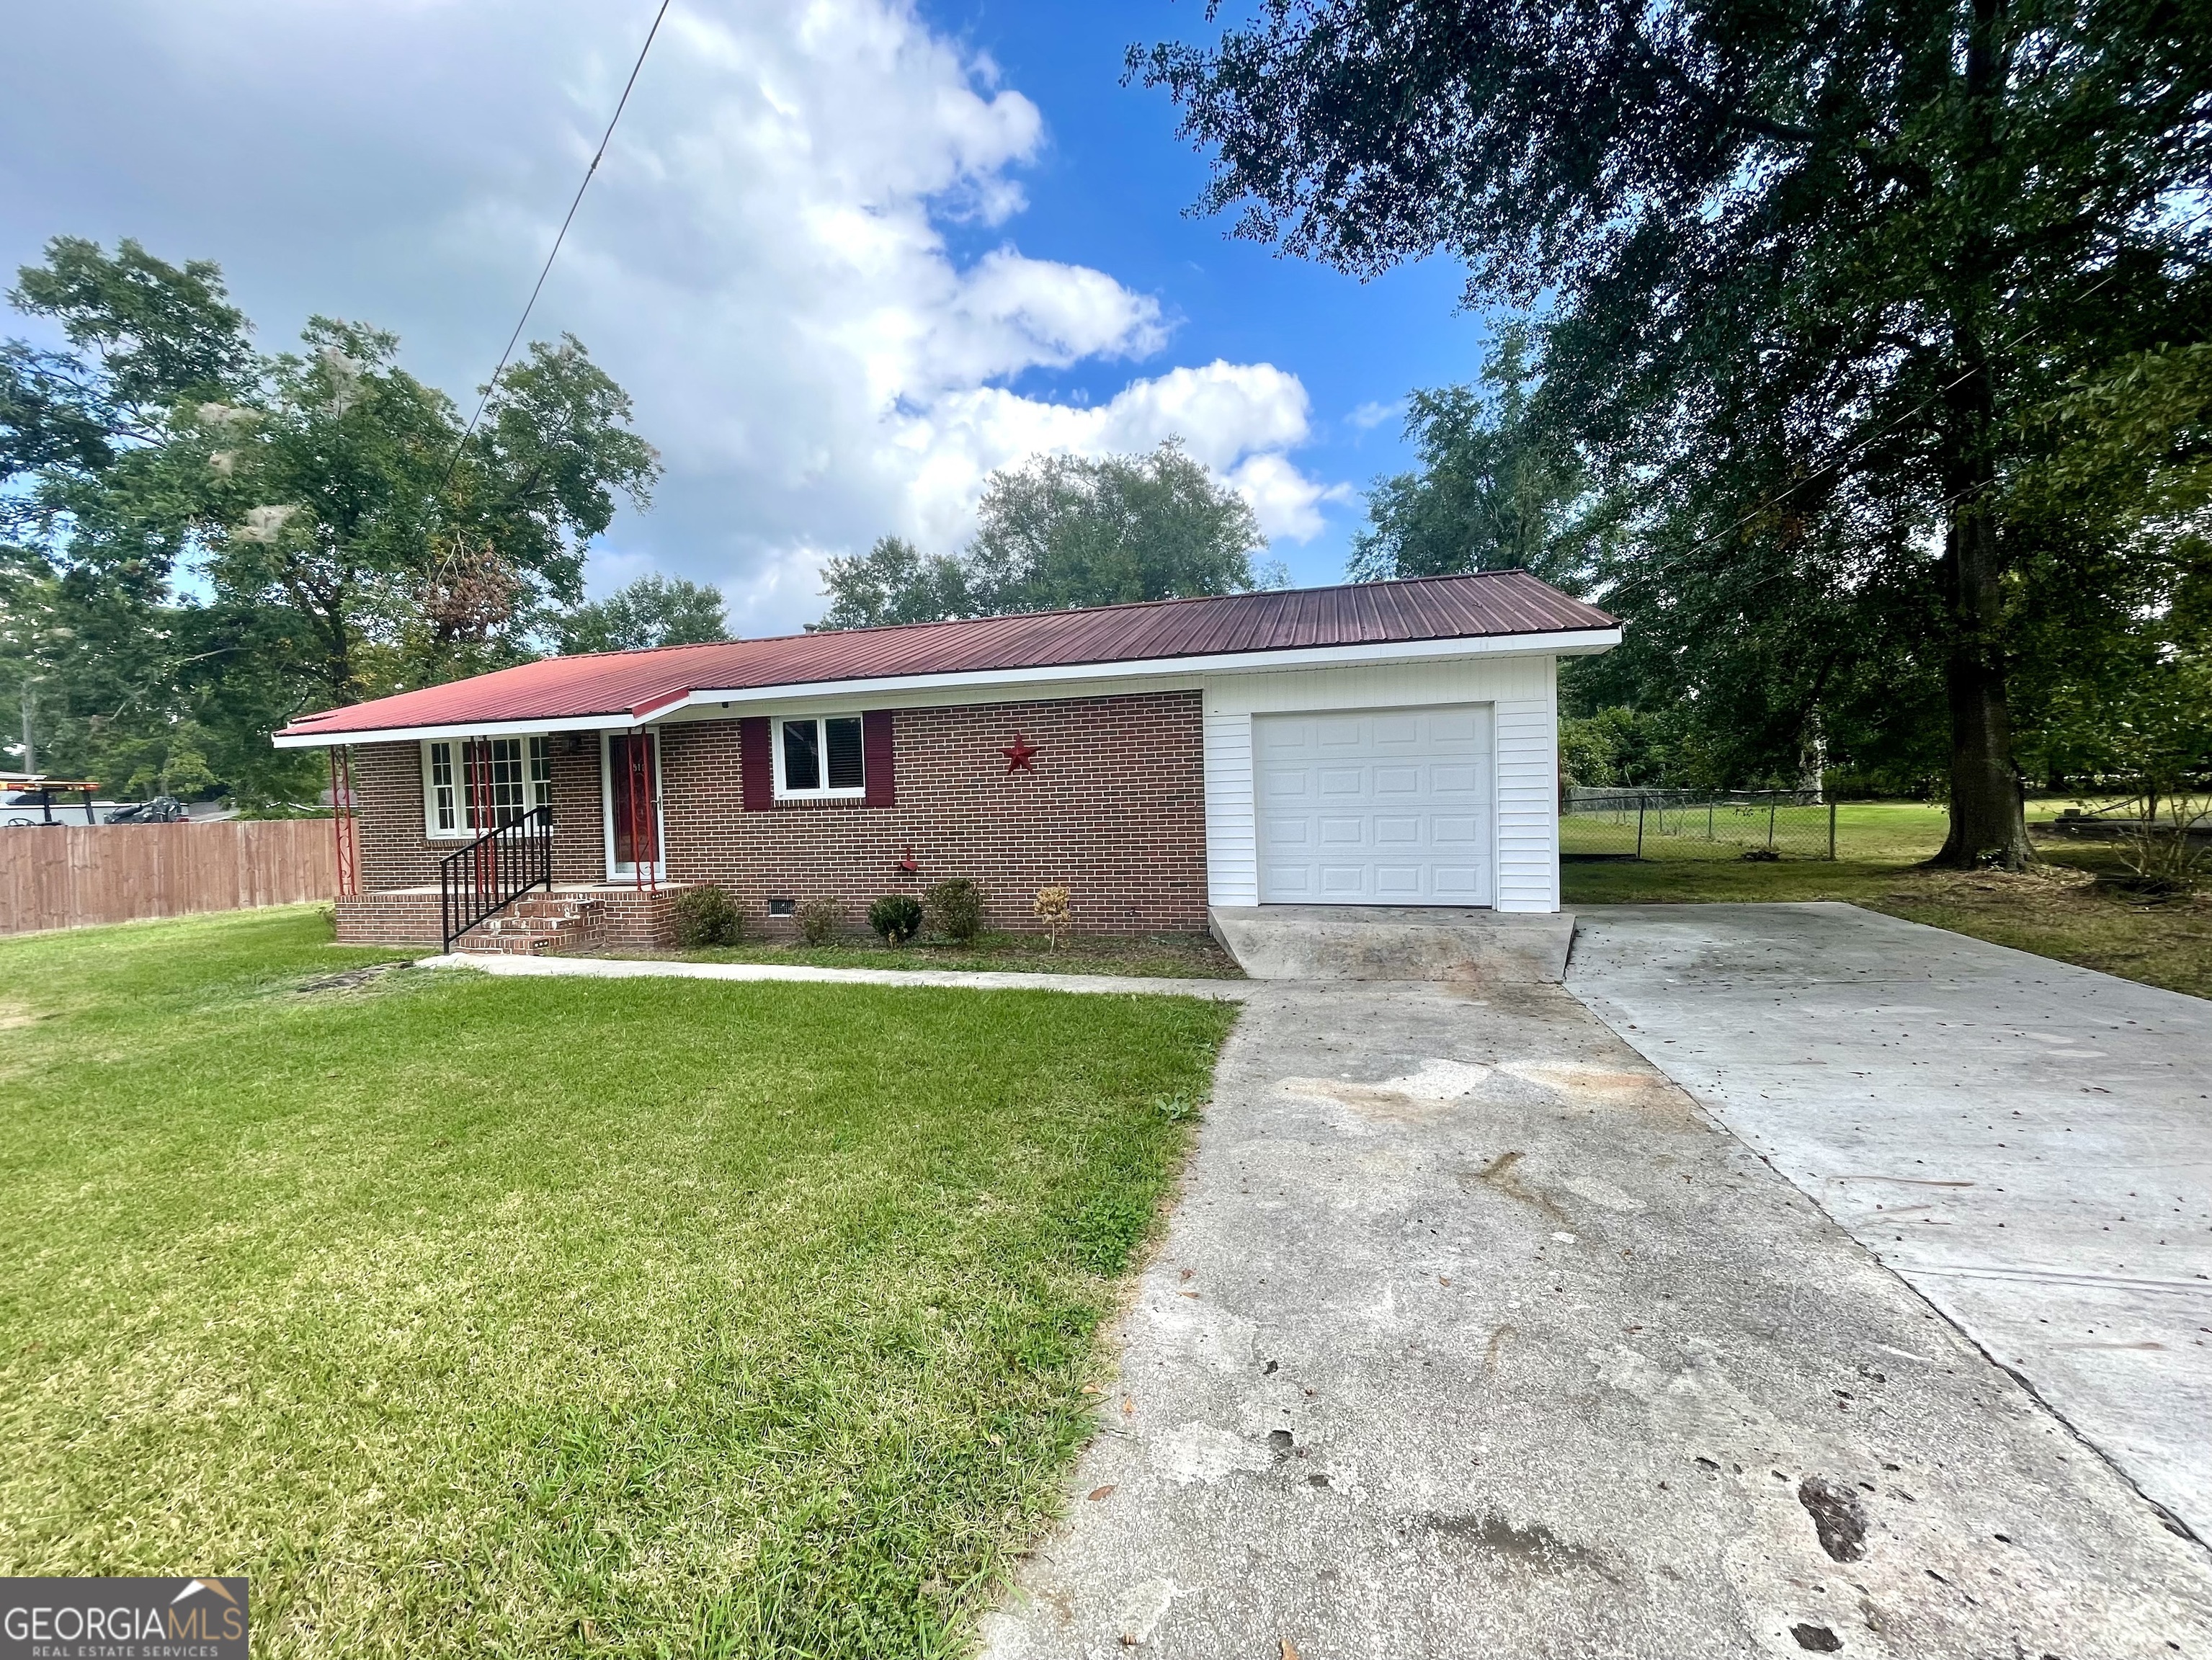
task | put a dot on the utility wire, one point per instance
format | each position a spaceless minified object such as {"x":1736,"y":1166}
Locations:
{"x":544,"y":271}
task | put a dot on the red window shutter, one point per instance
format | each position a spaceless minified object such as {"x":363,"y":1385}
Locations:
{"x":756,"y":766}
{"x":876,"y":764}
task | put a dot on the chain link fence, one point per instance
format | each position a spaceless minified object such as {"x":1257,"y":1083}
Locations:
{"x":1648,"y":824}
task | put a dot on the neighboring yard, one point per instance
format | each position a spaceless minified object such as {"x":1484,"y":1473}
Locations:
{"x":1193,"y":956}
{"x":478,"y":1315}
{"x":2060,"y":911}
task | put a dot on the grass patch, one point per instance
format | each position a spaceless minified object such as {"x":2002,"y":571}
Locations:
{"x":2061,"y":910}
{"x":471,"y":1315}
{"x":1152,"y":956}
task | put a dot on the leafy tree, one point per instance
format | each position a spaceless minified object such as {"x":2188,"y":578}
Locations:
{"x":343,"y":490}
{"x":895,"y":582}
{"x":1498,"y":489}
{"x":1061,"y":532}
{"x":342,"y":534}
{"x":651,"y":611}
{"x":1810,"y":269}
{"x":91,"y":525}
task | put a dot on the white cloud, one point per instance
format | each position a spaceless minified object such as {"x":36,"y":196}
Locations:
{"x":1368,"y":415}
{"x":1235,"y":418}
{"x":799,"y":255}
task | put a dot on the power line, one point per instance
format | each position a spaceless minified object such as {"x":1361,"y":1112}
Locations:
{"x":559,"y":236}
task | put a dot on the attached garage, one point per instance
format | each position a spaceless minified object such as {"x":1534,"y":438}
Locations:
{"x":1375,"y":806}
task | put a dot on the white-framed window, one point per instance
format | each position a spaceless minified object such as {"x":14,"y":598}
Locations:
{"x":819,"y":758}
{"x":471,"y":784}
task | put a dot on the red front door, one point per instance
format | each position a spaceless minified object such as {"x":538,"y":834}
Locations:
{"x":634,"y":800}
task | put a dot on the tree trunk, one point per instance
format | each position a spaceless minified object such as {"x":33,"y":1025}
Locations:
{"x":1813,"y":757}
{"x":1988,"y":827}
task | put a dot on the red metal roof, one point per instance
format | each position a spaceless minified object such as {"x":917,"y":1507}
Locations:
{"x":637,"y":684}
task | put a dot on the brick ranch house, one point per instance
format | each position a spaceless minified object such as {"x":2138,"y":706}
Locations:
{"x":1389,"y":743}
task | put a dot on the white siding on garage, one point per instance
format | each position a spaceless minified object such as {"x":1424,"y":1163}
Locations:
{"x":1522,"y":692}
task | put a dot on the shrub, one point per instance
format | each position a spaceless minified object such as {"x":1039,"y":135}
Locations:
{"x":956,"y":909}
{"x":896,"y":917}
{"x":1050,"y":907}
{"x":707,"y":916}
{"x":820,"y":921}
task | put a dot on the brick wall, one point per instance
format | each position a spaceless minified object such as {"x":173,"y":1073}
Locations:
{"x":1114,"y":811}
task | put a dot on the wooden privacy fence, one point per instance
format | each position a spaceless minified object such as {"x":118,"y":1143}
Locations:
{"x":66,"y":876}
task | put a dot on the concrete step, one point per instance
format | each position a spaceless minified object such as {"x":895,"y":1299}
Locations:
{"x":1394,"y":942}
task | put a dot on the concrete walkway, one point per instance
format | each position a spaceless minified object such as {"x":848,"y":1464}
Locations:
{"x":634,"y":968}
{"x":1471,"y":1335}
{"x":2027,"y":1143}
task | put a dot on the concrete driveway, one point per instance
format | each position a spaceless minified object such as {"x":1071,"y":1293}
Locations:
{"x":2028,"y":1144}
{"x":1471,"y":1334}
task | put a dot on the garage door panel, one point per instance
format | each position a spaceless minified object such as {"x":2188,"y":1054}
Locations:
{"x":1460,"y":885}
{"x":1459,"y":834}
{"x":1404,"y":781}
{"x":1339,"y":781}
{"x":1393,"y":806}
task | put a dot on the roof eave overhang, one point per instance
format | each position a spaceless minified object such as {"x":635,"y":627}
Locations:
{"x":1565,"y":642}
{"x":311,"y":739}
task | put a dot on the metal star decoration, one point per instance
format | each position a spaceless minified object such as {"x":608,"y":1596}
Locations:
{"x":1021,"y":755}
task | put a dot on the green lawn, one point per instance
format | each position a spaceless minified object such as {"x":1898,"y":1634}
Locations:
{"x":1151,"y":955}
{"x":2058,"y":910}
{"x":471,"y":1315}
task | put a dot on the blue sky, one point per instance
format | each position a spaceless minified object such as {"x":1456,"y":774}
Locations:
{"x":848,"y":255}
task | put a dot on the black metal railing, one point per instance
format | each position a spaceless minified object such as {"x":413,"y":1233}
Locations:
{"x":494,"y":871}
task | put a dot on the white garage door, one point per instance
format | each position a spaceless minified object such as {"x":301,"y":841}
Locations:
{"x":1375,"y":807}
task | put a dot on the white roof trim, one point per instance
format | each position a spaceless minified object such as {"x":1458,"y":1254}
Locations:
{"x":309,"y":740}
{"x":1577,"y":643}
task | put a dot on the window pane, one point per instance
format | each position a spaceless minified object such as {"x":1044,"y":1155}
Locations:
{"x":493,"y":786}
{"x":441,"y":786}
{"x":802,"y":760}
{"x":843,"y":742}
{"x":507,"y":779}
{"x":541,"y":772}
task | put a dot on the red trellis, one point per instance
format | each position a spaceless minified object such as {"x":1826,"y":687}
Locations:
{"x":342,"y":818}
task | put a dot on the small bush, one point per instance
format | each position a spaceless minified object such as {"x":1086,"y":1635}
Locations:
{"x":820,"y":921}
{"x":955,"y":910}
{"x":707,"y":916}
{"x":896,"y":917}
